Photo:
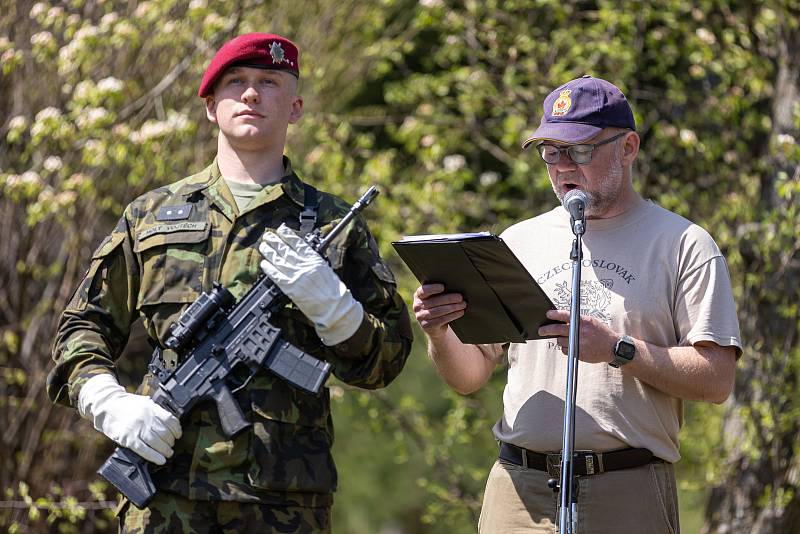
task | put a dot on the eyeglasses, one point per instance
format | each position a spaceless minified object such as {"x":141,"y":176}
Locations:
{"x":580,"y":154}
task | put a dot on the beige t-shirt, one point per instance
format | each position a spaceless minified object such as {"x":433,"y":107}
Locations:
{"x":244,"y":193}
{"x":648,"y":273}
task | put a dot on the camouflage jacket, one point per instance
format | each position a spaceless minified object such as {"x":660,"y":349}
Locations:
{"x":155,"y":263}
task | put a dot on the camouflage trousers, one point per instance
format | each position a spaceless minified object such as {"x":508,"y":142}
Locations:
{"x":169,"y":513}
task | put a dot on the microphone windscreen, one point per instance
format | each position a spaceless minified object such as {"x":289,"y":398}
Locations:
{"x":575,"y":202}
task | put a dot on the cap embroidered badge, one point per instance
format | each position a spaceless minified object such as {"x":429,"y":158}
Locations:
{"x":562,"y":103}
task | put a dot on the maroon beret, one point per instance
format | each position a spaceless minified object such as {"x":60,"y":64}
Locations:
{"x":262,"y":50}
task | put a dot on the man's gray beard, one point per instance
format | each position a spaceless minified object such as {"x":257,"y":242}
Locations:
{"x":596,"y":202}
{"x":599,"y":202}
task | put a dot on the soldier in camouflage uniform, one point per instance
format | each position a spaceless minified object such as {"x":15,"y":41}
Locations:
{"x":225,"y":224}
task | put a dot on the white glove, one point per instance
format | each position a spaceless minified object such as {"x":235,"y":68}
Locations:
{"x":305,"y":277}
{"x":133,"y":421}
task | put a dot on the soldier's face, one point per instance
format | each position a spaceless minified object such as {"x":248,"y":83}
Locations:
{"x":253,"y":107}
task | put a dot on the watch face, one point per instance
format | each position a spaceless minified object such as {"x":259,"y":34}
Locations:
{"x":626,"y":350}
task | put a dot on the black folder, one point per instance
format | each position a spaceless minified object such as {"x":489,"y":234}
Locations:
{"x":504,"y":303}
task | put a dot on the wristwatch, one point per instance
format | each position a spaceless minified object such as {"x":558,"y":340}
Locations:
{"x":624,"y":351}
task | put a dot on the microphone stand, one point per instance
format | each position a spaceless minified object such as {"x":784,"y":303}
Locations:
{"x":568,"y":485}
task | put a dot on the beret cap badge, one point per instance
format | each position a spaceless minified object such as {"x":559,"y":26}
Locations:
{"x":276,"y":51}
{"x":562,"y":103}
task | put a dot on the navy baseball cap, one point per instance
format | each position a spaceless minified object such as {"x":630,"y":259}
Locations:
{"x":580,"y":109}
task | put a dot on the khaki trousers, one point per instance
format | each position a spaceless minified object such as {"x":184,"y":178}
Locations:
{"x":639,"y":500}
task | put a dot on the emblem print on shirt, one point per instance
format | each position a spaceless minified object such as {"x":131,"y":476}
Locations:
{"x":595,"y":298}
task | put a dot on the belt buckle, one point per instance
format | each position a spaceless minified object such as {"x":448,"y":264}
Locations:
{"x":588,"y":459}
{"x":553,"y":463}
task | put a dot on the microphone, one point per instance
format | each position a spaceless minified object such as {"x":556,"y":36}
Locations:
{"x":575,"y":203}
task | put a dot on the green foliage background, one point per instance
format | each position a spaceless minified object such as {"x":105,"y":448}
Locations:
{"x":428,"y":100}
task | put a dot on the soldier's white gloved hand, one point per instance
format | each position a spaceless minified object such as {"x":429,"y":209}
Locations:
{"x":305,"y":277}
{"x":133,"y":421}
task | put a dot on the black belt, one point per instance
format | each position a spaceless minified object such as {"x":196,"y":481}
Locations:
{"x":585,"y":462}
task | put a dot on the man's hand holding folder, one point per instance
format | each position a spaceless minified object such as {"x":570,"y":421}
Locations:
{"x":500,"y":303}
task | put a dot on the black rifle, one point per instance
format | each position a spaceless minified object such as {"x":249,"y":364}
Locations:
{"x":217,"y":335}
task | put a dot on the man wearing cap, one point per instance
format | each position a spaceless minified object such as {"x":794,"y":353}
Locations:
{"x":658,"y":327}
{"x":244,"y":213}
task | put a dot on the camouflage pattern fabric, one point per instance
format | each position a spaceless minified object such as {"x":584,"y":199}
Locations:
{"x":169,"y":246}
{"x":169,"y":513}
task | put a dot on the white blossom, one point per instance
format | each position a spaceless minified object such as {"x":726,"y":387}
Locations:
{"x":110,"y":85}
{"x":454,"y":162}
{"x":17,"y":123}
{"x":688,"y":136}
{"x":30,"y":178}
{"x":706,"y":36}
{"x":75,"y":181}
{"x":213,"y":20}
{"x":489,"y":178}
{"x":92,"y":146}
{"x":85,"y":33}
{"x":46,"y":120}
{"x":66,"y":198}
{"x":124,"y":29}
{"x":66,"y":56}
{"x":177,"y":121}
{"x":90,"y":117}
{"x":42,"y":39}
{"x":48,"y":113}
{"x":408,"y":122}
{"x":143,"y":10}
{"x":54,"y":13}
{"x":96,"y":114}
{"x":37,"y":9}
{"x":83,"y":90}
{"x":121,"y":130}
{"x":46,"y":195}
{"x":151,"y":130}
{"x":108,"y":19}
{"x":52,"y":163}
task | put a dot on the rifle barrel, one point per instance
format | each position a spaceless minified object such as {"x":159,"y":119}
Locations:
{"x":359,"y":205}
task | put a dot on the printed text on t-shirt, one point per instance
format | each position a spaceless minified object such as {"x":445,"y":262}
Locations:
{"x":621,"y":271}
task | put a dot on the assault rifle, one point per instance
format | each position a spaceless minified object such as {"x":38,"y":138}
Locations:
{"x":214,"y":336}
